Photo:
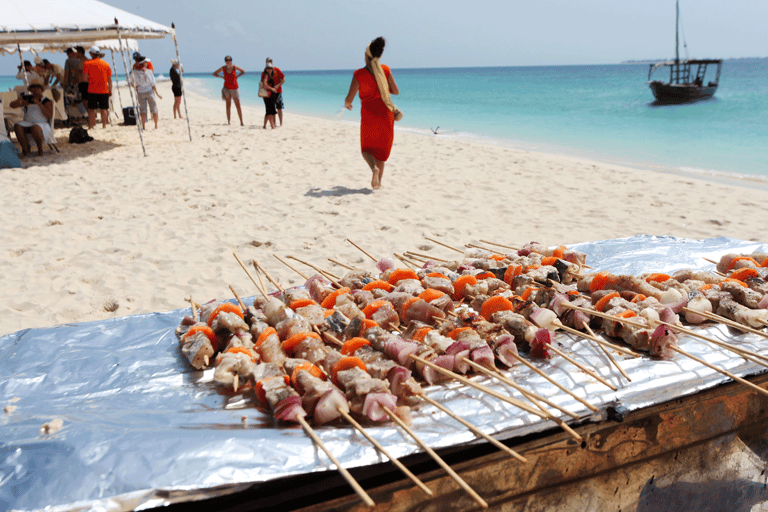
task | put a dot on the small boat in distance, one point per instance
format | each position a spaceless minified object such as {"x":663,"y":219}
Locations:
{"x":686,"y":77}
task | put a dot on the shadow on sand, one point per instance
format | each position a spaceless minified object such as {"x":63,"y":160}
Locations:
{"x":337,"y":191}
{"x":66,"y":152}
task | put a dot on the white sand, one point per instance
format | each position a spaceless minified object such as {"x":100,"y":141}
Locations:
{"x":101,"y":231}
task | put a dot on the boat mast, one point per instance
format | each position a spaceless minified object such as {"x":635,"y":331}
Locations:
{"x":677,"y":29}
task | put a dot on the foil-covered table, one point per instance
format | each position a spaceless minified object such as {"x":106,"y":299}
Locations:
{"x":141,"y":429}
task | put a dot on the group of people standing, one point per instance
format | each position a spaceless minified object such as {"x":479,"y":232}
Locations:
{"x":272,"y":80}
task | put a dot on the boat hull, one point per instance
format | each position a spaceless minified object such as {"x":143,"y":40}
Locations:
{"x":680,"y":93}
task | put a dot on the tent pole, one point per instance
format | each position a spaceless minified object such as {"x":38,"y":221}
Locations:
{"x":181,"y":73}
{"x":119,"y":98}
{"x":24,"y":69}
{"x":130,"y":89}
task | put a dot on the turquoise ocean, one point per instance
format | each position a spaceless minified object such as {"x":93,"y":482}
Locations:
{"x":602,"y":112}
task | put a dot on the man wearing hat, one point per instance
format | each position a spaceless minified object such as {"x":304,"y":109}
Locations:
{"x":99,"y":76}
{"x":38,"y":112}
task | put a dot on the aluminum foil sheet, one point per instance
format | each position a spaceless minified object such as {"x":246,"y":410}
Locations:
{"x":141,"y":429}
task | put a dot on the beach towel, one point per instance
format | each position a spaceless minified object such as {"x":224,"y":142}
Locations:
{"x":9,"y":157}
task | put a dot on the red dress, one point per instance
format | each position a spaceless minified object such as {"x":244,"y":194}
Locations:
{"x":377,"y":123}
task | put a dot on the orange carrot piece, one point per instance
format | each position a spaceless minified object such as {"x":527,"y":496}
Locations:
{"x":290,"y":343}
{"x":558,"y":252}
{"x":242,"y":350}
{"x":225,"y":307}
{"x":420,"y":334}
{"x":330,"y":301}
{"x":657,"y":277}
{"x":350,"y":346}
{"x":367,"y":324}
{"x":549,"y":261}
{"x":497,"y":257}
{"x":300,"y":303}
{"x":638,"y":298}
{"x":628,"y":313}
{"x":511,"y":272}
{"x":264,"y":335}
{"x":205,"y":330}
{"x":373,"y":285}
{"x":460,"y":283}
{"x":741,"y":258}
{"x":731,"y":280}
{"x":485,"y":275}
{"x":599,"y":281}
{"x":328,"y":312}
{"x":373,"y":307}
{"x":408,"y":303}
{"x":455,"y":333}
{"x":527,"y":292}
{"x":743,"y":274}
{"x":346,"y":364}
{"x":530,"y":267}
{"x":436,"y":274}
{"x":402,"y":273}
{"x":307,"y":367}
{"x":602,"y":302}
{"x":494,"y":304}
{"x":430,"y":294}
{"x":706,"y":287}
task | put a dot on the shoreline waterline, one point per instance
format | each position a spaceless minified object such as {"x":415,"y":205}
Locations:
{"x":345,"y":117}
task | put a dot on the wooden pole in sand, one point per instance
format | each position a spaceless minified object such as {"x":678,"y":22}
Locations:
{"x":130,"y":88}
{"x":181,"y":73}
{"x":119,"y":97}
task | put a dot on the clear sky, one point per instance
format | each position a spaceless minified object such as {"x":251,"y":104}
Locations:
{"x":332,"y":34}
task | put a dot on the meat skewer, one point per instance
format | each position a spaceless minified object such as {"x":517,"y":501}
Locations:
{"x":728,"y":322}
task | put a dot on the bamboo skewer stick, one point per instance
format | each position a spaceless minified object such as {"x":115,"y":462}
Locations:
{"x":407,"y":262}
{"x":266,"y":274}
{"x":349,"y":478}
{"x":290,"y":267}
{"x":340,"y":264}
{"x":594,"y":312}
{"x":498,"y":444}
{"x":259,"y":287}
{"x":500,"y":245}
{"x":709,"y":260}
{"x":437,"y":459}
{"x":483,"y":248}
{"x":557,"y":384}
{"x":720,"y":370}
{"x":530,"y":395}
{"x":591,"y":335}
{"x":581,"y":366}
{"x":426,"y":256}
{"x":747,"y":354}
{"x":361,"y":250}
{"x":261,"y":281}
{"x":727,"y":321}
{"x":607,"y":354}
{"x":240,"y":302}
{"x":444,"y":245}
{"x":331,"y":277}
{"x":383,"y":450}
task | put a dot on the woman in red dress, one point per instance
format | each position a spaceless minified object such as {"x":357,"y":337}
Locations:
{"x":375,"y":83}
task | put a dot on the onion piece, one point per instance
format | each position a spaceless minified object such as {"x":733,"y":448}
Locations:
{"x":662,"y":338}
{"x":459,"y":364}
{"x":504,"y":346}
{"x":539,"y":343}
{"x":374,"y":402}
{"x":289,"y":409}
{"x":543,"y":317}
{"x":484,"y":357}
{"x":327,"y":408}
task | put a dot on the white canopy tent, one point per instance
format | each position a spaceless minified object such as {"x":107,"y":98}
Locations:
{"x":53,"y":25}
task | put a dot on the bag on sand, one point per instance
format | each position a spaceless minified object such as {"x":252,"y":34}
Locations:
{"x":79,"y":135}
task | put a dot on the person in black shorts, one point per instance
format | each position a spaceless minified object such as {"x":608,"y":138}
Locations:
{"x":176,"y":87}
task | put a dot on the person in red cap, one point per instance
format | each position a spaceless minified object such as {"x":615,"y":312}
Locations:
{"x":99,"y":76}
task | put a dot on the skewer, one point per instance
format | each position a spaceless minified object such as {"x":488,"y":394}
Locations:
{"x":747,"y":354}
{"x":483,"y":248}
{"x":591,"y":335}
{"x":361,"y":250}
{"x":407,"y":263}
{"x":727,"y":321}
{"x":193,"y":304}
{"x":530,"y":395}
{"x":349,"y":478}
{"x":426,"y":256}
{"x":383,"y":450}
{"x":446,"y":246}
{"x":581,"y":366}
{"x":709,"y":260}
{"x":557,"y":384}
{"x":261,"y":289}
{"x":437,"y":459}
{"x":290,"y":267}
{"x":500,"y":245}
{"x":609,"y":317}
{"x":240,"y":302}
{"x":266,"y":274}
{"x":261,"y":281}
{"x":332,"y":278}
{"x":498,"y":444}
{"x":341,"y":264}
{"x":608,"y":354}
{"x":415,"y":257}
{"x":720,"y":370}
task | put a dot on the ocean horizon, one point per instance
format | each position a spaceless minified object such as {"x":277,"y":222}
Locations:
{"x":601,"y":112}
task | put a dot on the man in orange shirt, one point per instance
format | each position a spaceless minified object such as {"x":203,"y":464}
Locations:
{"x":99,"y":76}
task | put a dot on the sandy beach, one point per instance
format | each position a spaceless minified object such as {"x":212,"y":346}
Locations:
{"x":101,"y":231}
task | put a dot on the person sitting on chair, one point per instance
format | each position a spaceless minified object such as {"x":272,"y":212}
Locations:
{"x":38,"y":112}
